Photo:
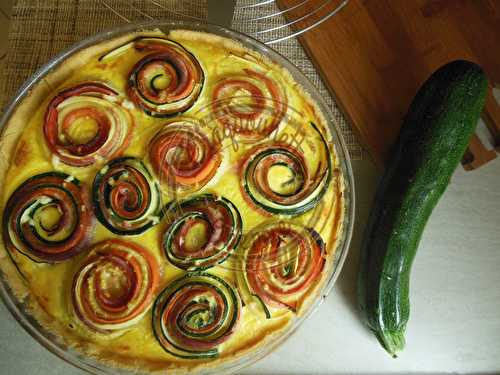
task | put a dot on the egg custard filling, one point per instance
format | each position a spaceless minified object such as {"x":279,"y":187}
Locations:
{"x":169,"y":201}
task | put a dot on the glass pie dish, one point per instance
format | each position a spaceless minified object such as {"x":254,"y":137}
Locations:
{"x":57,"y":343}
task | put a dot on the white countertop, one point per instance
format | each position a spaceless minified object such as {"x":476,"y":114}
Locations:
{"x":455,"y":299}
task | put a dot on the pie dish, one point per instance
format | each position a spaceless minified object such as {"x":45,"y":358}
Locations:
{"x":175,"y":197}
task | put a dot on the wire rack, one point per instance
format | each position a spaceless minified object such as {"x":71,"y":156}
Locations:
{"x":274,"y":21}
{"x":271,"y":21}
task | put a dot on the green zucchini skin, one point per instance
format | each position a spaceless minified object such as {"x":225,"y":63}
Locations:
{"x":431,"y":143}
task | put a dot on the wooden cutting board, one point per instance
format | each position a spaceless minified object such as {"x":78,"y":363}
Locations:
{"x":375,"y":54}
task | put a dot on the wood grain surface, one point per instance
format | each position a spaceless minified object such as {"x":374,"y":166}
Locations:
{"x":375,"y":54}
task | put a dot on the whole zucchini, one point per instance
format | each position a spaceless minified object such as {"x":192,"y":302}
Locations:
{"x":433,"y":139}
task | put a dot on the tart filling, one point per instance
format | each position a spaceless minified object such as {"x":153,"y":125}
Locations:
{"x":175,"y":244}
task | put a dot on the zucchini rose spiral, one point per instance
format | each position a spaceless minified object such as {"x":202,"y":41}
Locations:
{"x":114,"y":286}
{"x":201,"y":231}
{"x":127,"y":199}
{"x":86,"y":124}
{"x":48,"y":218}
{"x":195,"y":314}
{"x":167,"y":80}
{"x":277,"y":177}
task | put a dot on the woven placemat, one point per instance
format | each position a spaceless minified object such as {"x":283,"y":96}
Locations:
{"x":41,"y":29}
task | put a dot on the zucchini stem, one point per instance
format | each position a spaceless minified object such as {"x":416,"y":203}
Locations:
{"x":393,"y":342}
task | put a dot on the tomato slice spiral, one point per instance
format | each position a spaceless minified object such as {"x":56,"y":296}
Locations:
{"x":201,"y":231}
{"x":86,"y":124}
{"x":280,"y":262}
{"x":167,"y":80}
{"x":48,"y":218}
{"x":114,"y":286}
{"x":250,"y":105}
{"x":182,"y":156}
{"x":127,"y":199}
{"x":195,"y":314}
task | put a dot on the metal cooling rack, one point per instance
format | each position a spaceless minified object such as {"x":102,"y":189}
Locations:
{"x":262,"y":19}
{"x":273,"y":24}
